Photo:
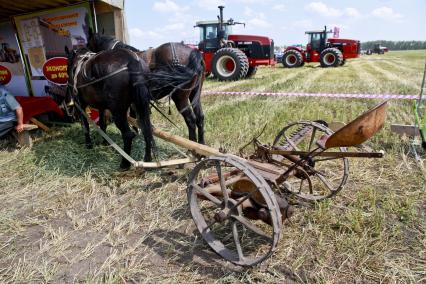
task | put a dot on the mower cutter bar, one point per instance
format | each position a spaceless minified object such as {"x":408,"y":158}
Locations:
{"x":330,"y":154}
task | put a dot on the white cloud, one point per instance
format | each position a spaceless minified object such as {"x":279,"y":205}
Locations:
{"x":304,"y":24}
{"x":386,"y":13}
{"x":259,"y":23}
{"x":138,"y":33}
{"x":168,"y":6}
{"x":210,"y":4}
{"x":323,"y":9}
{"x":248,"y":12}
{"x":352,"y":12}
{"x":174,"y":27}
{"x":279,"y":8}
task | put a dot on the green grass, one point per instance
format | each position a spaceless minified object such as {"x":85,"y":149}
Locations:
{"x":68,"y":215}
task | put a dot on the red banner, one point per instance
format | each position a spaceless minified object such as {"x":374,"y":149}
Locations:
{"x":5,"y":75}
{"x":55,"y":70}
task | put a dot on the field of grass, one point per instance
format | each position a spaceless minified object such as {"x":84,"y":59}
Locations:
{"x":67,"y":214}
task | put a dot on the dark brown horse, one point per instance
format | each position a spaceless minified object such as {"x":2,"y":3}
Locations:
{"x":178,"y":73}
{"x":113,"y":80}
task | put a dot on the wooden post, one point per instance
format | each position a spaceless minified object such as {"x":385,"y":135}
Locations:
{"x":24,"y":138}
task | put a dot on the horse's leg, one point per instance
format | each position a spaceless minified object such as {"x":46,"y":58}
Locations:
{"x":127,"y":135}
{"x":86,"y":129}
{"x":195,"y":99}
{"x":184,"y":107}
{"x":199,"y":115}
{"x":103,"y":124}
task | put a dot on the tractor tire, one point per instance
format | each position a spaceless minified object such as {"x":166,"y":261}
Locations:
{"x":251,"y":71}
{"x":292,"y":59}
{"x":229,"y":64}
{"x":343,"y":62}
{"x":331,"y":57}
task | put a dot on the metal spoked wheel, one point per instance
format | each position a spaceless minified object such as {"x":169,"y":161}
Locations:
{"x":223,"y":194}
{"x":320,"y":177}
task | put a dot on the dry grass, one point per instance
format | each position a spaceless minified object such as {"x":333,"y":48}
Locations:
{"x":67,"y":215}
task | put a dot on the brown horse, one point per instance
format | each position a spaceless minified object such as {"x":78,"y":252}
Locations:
{"x":113,"y":80}
{"x":179,"y":73}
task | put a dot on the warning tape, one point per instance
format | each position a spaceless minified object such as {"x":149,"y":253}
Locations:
{"x":324,"y":95}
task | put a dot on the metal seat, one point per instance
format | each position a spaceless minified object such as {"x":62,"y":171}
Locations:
{"x":360,"y":129}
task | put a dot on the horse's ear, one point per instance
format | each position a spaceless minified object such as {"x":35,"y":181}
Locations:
{"x":103,"y":31}
{"x":67,"y":51}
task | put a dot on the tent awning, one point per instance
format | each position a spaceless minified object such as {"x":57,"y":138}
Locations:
{"x":9,"y":8}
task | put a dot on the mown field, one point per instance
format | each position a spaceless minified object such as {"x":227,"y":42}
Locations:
{"x":67,"y":215}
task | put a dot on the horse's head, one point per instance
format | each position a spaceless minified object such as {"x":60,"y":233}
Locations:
{"x":92,"y":41}
{"x":97,"y":42}
{"x":73,"y":56}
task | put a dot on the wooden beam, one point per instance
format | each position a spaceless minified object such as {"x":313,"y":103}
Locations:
{"x":161,"y":164}
{"x":40,"y":124}
{"x":200,"y":149}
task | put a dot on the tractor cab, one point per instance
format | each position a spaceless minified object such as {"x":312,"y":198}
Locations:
{"x":317,"y":41}
{"x":210,"y":35}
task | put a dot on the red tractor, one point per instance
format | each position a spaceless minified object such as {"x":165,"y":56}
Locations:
{"x":330,"y":52}
{"x":232,"y":57}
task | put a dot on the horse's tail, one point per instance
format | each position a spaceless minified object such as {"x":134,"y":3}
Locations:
{"x":169,"y":78}
{"x":141,"y":99}
{"x":197,"y":64}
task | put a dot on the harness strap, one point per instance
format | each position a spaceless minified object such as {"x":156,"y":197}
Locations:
{"x":106,"y":137}
{"x":103,"y":78}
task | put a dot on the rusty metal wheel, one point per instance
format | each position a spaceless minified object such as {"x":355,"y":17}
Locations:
{"x":224,"y":193}
{"x":320,"y":177}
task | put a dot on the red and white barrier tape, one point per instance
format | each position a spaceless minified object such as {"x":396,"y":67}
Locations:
{"x":324,"y":95}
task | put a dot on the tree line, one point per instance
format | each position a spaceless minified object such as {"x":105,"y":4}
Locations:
{"x":395,"y":45}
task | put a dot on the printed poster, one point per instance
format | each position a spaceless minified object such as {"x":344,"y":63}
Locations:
{"x":11,"y":66}
{"x":43,"y":37}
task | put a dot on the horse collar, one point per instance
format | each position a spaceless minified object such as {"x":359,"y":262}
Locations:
{"x":115,"y":44}
{"x":175,"y":60}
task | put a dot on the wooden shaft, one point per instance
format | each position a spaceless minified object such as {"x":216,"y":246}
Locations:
{"x":161,"y":164}
{"x":187,"y":144}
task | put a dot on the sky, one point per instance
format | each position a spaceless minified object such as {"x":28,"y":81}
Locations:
{"x":153,"y":22}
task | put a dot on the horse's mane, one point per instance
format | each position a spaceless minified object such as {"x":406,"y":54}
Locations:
{"x":105,"y":40}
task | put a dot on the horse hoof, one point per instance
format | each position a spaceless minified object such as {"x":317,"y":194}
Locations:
{"x":89,"y":146}
{"x":124,"y":167}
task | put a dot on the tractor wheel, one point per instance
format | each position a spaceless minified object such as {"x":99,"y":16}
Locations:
{"x":331,"y":57}
{"x":229,"y":64}
{"x":292,"y":59}
{"x":343,"y":62}
{"x":251,"y":71}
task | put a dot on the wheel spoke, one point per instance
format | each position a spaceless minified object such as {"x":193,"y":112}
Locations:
{"x":207,"y":195}
{"x":301,"y":185}
{"x":252,"y":227}
{"x":237,"y":240}
{"x":314,"y":131}
{"x":222,"y":183}
{"x":325,"y":181}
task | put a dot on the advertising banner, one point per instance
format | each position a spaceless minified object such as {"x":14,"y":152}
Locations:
{"x":43,"y":37}
{"x":11,"y":67}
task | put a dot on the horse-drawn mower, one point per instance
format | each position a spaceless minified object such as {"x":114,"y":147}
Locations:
{"x":239,"y":203}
